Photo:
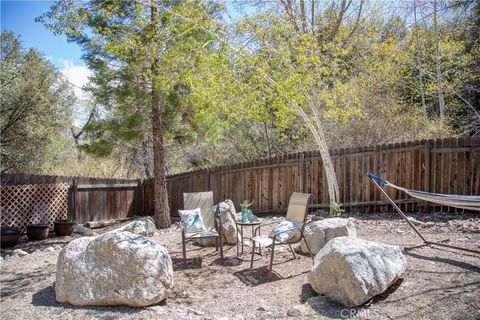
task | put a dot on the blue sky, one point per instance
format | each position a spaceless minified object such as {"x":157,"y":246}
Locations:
{"x":18,"y":17}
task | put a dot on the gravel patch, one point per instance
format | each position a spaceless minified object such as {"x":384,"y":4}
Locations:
{"x":439,"y":283}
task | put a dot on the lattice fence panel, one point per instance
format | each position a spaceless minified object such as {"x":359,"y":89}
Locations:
{"x":22,"y":205}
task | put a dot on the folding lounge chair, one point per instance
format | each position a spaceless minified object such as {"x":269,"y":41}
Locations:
{"x":211,"y":221}
{"x":297,"y":214}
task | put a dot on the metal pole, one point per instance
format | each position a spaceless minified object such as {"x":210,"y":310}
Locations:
{"x":426,"y":242}
{"x":399,"y":211}
{"x":453,"y":247}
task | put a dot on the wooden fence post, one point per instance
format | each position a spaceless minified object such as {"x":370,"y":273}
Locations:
{"x":427,"y":153}
{"x":209,"y":186}
{"x":74,"y":197}
{"x":301,"y":172}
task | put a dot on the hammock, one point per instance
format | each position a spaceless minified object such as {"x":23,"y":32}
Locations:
{"x":452,"y":200}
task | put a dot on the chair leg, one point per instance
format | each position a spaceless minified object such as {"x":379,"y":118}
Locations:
{"x":271,"y":257}
{"x":253,"y":253}
{"x":293,"y":251}
{"x":184,"y":249}
{"x":216,"y":244}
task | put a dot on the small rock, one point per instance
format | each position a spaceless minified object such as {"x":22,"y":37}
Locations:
{"x":415,"y":221}
{"x":429,"y":224}
{"x":260,"y":309}
{"x":195,"y":312}
{"x":84,"y":231}
{"x":49,"y":249}
{"x":155,"y":308}
{"x":183,"y":294}
{"x":397,"y":231}
{"x":294,"y":312}
{"x":20,"y":253}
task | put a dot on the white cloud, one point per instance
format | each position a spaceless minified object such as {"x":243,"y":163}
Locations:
{"x":77,"y":75}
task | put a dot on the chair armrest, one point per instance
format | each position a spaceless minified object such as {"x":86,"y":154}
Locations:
{"x":270,"y":223}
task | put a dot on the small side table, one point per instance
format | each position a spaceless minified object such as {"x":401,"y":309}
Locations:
{"x":246,"y":224}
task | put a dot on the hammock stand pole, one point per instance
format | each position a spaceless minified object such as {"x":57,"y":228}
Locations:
{"x":425,"y":241}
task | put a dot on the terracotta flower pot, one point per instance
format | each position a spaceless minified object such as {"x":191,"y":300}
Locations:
{"x":37,"y":231}
{"x":63,"y":228}
{"x":9,"y":236}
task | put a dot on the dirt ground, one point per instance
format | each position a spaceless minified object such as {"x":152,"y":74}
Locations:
{"x":439,"y":283}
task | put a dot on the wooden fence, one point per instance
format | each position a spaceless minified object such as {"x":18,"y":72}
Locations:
{"x":444,"y":166}
{"x":449,"y":165}
{"x":90,"y":199}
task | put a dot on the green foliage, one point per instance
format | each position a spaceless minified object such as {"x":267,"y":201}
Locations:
{"x":336,"y":209}
{"x":65,"y":221}
{"x":35,"y":113}
{"x":131,"y":58}
{"x":358,"y":75}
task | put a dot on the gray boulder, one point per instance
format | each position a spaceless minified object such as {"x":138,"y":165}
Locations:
{"x":351,"y":271}
{"x":229,"y":227}
{"x":144,"y":227}
{"x":116,"y":268}
{"x":228,"y":216}
{"x":318,"y":233}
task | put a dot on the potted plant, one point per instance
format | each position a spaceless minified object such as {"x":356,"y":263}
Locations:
{"x":37,"y":231}
{"x":9,"y":236}
{"x":63,"y":227}
{"x":245,"y":205}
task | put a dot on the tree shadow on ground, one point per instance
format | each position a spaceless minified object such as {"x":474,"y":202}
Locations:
{"x":456,"y":263}
{"x":21,"y":282}
{"x":31,"y":246}
{"x":46,"y":298}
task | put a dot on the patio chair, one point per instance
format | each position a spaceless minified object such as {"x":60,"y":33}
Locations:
{"x":210,"y":217}
{"x":289,"y":231}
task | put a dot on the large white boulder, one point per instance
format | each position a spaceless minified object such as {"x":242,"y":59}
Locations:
{"x":116,"y":268}
{"x":143,"y":226}
{"x":228,"y":216}
{"x":318,"y":233}
{"x":229,"y":227}
{"x":351,"y":271}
